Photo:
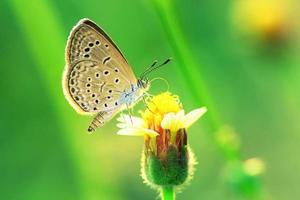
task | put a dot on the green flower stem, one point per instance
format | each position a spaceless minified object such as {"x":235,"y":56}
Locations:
{"x":167,"y":193}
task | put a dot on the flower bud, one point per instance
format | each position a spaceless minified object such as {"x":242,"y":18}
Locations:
{"x":168,"y":163}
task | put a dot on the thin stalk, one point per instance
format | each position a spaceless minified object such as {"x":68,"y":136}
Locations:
{"x":188,"y":66}
{"x":167,"y":193}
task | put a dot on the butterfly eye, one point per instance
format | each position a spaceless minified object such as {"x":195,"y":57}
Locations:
{"x":97,"y":42}
{"x":110,"y":91}
{"x":86,"y":56}
{"x":106,"y":45}
{"x":91,"y":44}
{"x":117,"y":80}
{"x":105,"y":105}
{"x":87,"y":49}
{"x":117,"y":70}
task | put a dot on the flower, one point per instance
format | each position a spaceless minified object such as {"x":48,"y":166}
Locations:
{"x":167,"y":160}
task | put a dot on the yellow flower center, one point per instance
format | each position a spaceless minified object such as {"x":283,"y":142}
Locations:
{"x":158,"y":106}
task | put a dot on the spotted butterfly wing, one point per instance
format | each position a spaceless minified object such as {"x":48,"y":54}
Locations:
{"x":96,"y":73}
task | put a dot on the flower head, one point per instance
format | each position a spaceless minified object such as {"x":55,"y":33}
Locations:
{"x":167,"y":160}
{"x":163,"y":111}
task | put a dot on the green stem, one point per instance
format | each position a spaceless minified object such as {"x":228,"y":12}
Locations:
{"x":190,"y":69}
{"x":167,"y":193}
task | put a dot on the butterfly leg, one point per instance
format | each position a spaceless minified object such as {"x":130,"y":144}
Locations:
{"x":149,"y":96}
{"x":130,"y":113}
{"x":144,"y":100}
{"x":124,"y":117}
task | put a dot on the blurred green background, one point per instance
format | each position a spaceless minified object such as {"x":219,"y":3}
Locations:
{"x":248,"y":62}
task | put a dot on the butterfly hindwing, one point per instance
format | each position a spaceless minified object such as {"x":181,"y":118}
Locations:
{"x":96,"y":73}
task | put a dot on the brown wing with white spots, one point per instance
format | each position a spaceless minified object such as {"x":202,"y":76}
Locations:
{"x":96,"y":72}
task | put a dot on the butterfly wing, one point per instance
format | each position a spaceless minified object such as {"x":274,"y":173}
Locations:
{"x":96,"y":71}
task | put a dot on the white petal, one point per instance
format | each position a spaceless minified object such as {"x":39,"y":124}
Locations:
{"x":173,"y":121}
{"x":180,"y":114}
{"x":121,"y":118}
{"x":168,"y":121}
{"x":137,"y":132}
{"x":193,"y":116}
{"x":179,"y":122}
{"x":122,"y":125}
{"x":130,"y":121}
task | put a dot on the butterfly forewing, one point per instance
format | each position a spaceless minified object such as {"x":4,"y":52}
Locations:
{"x":96,"y":73}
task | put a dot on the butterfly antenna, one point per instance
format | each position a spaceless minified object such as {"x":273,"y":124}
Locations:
{"x":150,"y":69}
{"x":154,"y":63}
{"x":166,"y":61}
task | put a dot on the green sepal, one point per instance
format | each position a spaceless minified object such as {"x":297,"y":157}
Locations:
{"x":172,"y":170}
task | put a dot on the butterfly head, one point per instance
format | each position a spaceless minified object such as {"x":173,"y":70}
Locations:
{"x":143,"y":83}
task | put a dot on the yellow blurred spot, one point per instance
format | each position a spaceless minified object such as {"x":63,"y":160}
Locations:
{"x":267,"y":18}
{"x":254,"y":166}
{"x":227,"y":138}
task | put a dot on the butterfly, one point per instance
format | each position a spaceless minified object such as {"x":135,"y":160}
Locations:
{"x":97,"y":79}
